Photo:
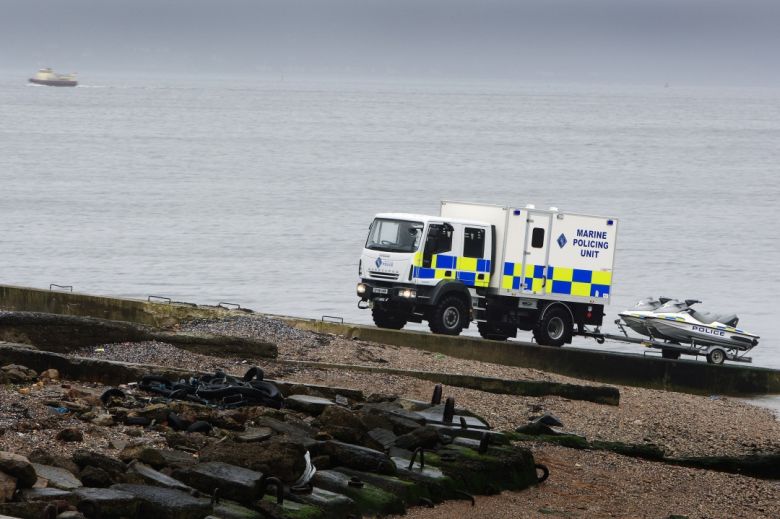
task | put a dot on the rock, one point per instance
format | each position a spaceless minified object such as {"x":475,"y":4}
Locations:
{"x":236,"y":483}
{"x":369,"y":499}
{"x":255,"y":434}
{"x":157,"y":412}
{"x":229,"y":510}
{"x":153,"y":477}
{"x":57,"y":477}
{"x":187,"y":442}
{"x":85,"y":458}
{"x":103,"y":420}
{"x":294,"y":429}
{"x":355,"y":457}
{"x":43,"y":457}
{"x":47,"y":494}
{"x":313,"y":405}
{"x":107,"y":502}
{"x":383,"y":437}
{"x":342,"y":424}
{"x":166,"y":502}
{"x":549,"y":419}
{"x":70,"y":434}
{"x":335,"y":505}
{"x":536,"y":429}
{"x":96,"y":477}
{"x":16,"y":374}
{"x":425,"y":437}
{"x":143,"y":453}
{"x":71,"y":514}
{"x":7,"y":487}
{"x":275,"y":457}
{"x":177,"y":459}
{"x":18,"y":467}
{"x":49,"y":374}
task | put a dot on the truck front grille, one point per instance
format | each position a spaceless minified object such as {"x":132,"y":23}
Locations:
{"x":383,"y":275}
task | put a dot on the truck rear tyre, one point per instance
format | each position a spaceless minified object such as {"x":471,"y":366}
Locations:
{"x":491,"y":331}
{"x":388,"y":319}
{"x":554,"y":328}
{"x":449,"y":316}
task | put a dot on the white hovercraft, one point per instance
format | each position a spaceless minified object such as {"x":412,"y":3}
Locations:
{"x":685,"y":330}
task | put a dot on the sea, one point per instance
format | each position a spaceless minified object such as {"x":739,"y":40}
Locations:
{"x":259,"y":192}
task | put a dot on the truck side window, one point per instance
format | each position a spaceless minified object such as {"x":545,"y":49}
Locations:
{"x":537,"y":238}
{"x":474,"y":242}
{"x":439,"y":240}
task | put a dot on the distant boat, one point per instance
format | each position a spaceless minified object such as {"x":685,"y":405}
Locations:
{"x":46,"y":76}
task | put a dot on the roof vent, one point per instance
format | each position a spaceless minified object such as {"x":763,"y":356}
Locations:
{"x":530,"y":206}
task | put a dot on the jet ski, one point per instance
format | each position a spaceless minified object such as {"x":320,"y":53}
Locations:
{"x":677,"y":322}
{"x":641,"y":318}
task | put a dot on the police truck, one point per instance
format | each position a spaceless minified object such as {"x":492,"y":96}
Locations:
{"x":506,"y":268}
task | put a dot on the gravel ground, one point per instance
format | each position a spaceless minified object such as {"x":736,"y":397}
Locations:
{"x":582,"y":483}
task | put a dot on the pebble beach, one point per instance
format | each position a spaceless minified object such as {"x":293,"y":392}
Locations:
{"x":581,"y":484}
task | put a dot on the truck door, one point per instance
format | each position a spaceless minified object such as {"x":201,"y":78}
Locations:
{"x":536,"y":253}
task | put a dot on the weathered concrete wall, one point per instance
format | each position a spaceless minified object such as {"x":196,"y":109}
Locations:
{"x":160,"y":315}
{"x":616,"y":368}
{"x":65,"y":333}
{"x":599,"y":394}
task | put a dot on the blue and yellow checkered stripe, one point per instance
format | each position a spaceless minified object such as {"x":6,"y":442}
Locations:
{"x":560,"y":280}
{"x":473,"y":272}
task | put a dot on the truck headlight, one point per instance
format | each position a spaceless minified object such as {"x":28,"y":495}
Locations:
{"x":407,"y":293}
{"x":361,"y":288}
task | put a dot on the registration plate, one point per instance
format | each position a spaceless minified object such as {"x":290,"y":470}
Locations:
{"x":380,"y":291}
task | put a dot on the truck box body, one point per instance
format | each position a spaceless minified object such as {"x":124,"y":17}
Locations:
{"x":546,"y":254}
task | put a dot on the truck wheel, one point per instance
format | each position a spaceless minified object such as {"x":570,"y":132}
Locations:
{"x":490,"y":331}
{"x":716,"y":356}
{"x":449,"y":316}
{"x":554,"y":329}
{"x":386,"y":319}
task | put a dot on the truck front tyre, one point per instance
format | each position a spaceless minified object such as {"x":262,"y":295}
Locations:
{"x":387,"y":319}
{"x":554,"y":328}
{"x":449,"y":316}
{"x":491,"y":331}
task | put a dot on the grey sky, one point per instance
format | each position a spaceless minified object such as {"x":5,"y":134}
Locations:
{"x":697,"y":41}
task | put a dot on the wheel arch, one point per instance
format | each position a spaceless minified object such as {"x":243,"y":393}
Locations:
{"x":449,"y":287}
{"x":555,"y":304}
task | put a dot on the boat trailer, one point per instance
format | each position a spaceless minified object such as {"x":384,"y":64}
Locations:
{"x":673,"y":350}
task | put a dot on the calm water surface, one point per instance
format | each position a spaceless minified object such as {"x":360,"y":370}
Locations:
{"x":260,"y":193}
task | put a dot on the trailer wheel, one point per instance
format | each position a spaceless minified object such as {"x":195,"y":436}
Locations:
{"x":670,"y":354}
{"x":386,"y":319}
{"x":716,"y":356}
{"x":449,"y":316}
{"x":554,"y":329}
{"x":491,"y":331}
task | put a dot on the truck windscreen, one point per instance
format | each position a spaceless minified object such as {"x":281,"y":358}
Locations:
{"x":394,"y":235}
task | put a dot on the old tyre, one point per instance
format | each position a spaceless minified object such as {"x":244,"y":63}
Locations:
{"x":670,"y":354}
{"x":491,"y":331}
{"x":554,"y":328}
{"x":716,"y":356}
{"x":449,"y":316}
{"x":388,"y":319}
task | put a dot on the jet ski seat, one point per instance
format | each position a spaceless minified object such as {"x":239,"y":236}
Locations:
{"x":707,"y":318}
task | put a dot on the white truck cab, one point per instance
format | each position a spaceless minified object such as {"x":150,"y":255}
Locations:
{"x":506,"y":268}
